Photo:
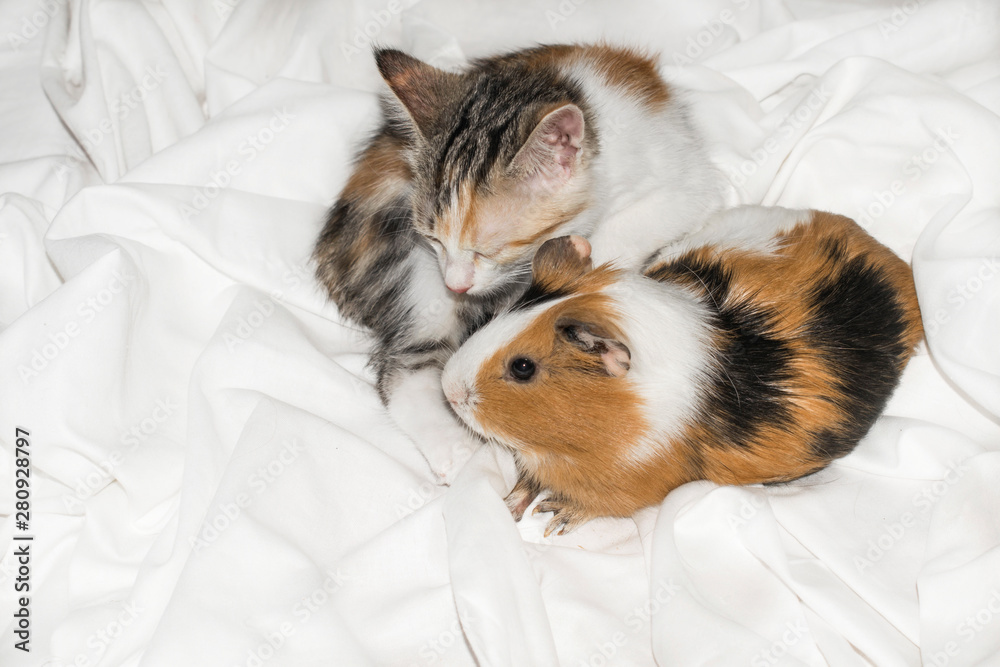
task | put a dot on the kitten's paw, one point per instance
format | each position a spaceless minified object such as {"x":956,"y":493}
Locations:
{"x":445,"y":445}
{"x":566,"y":517}
{"x":418,"y":408}
{"x":446,"y":462}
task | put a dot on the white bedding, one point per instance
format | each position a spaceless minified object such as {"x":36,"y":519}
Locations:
{"x":214,"y":481}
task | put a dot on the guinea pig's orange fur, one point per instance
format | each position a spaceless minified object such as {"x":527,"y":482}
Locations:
{"x":514,"y":409}
{"x":781,"y":453}
{"x":585,"y":434}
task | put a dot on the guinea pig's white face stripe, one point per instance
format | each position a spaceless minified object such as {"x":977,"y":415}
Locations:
{"x":460,"y":373}
{"x":569,"y":403}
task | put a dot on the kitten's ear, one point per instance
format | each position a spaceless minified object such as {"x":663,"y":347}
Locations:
{"x":551,"y":154}
{"x":560,"y":261}
{"x":421,"y":88}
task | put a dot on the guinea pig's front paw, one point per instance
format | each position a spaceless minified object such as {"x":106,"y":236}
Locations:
{"x":566,"y":517}
{"x":520,"y":497}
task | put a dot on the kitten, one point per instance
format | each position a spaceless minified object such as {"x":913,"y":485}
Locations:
{"x":470,"y":173}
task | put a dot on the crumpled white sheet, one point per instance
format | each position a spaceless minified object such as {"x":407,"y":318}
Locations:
{"x":214,"y":480}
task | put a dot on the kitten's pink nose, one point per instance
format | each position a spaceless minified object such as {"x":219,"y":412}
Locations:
{"x":458,"y":276}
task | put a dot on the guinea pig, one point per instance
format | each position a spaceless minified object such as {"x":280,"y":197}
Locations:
{"x":758,"y":349}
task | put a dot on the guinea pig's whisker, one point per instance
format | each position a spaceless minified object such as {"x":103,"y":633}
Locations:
{"x":708,"y":291}
{"x":735,"y":389}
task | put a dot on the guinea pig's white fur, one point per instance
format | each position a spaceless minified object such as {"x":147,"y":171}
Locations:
{"x":612,"y":387}
{"x":664,"y":370}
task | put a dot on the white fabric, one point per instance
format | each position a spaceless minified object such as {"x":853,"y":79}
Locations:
{"x":214,"y":481}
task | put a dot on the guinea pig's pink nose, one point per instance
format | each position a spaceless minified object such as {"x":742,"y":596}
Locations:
{"x":458,"y":395}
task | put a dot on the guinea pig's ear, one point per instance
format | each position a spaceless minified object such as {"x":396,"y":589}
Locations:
{"x":591,"y":338}
{"x":560,"y":261}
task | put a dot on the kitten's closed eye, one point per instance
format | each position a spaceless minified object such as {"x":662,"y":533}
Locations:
{"x":489,"y":255}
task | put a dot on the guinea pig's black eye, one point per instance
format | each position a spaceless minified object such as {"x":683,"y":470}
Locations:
{"x":522,"y":369}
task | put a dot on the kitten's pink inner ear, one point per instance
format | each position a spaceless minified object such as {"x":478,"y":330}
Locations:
{"x":550,"y":154}
{"x":563,"y":130}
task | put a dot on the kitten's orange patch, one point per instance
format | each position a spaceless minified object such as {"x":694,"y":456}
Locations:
{"x":624,"y":68}
{"x":380,"y":175}
{"x":452,"y":223}
{"x":382,"y":161}
{"x":631,"y":71}
{"x":501,"y":225}
{"x":551,"y":55}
